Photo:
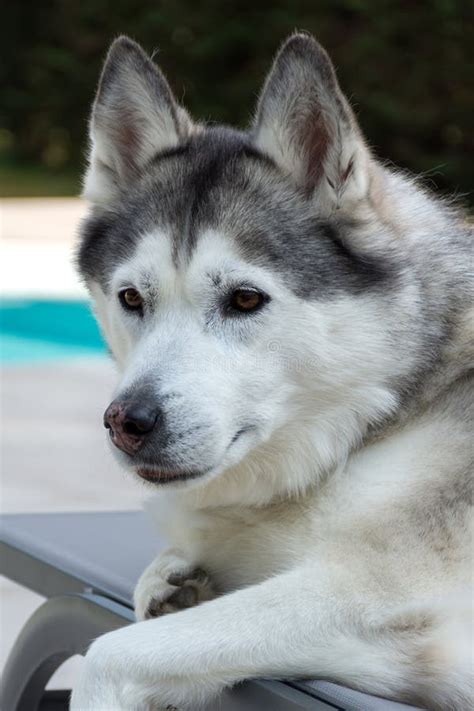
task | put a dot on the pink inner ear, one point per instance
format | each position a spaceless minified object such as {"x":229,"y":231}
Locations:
{"x":128,"y":140}
{"x":315,"y":140}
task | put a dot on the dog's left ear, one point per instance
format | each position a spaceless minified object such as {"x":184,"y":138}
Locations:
{"x":133,"y":117}
{"x":304,"y":122}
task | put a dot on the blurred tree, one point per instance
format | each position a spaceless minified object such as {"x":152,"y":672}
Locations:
{"x":406,"y":66}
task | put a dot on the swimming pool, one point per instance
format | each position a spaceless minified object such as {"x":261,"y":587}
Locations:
{"x":34,"y":330}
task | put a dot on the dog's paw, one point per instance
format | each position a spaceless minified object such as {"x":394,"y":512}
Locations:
{"x":186,"y":589}
{"x":168,"y":585}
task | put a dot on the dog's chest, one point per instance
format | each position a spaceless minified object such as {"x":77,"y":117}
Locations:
{"x":242,"y":546}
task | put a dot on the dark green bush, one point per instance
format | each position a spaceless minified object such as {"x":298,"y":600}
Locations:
{"x":405,"y":64}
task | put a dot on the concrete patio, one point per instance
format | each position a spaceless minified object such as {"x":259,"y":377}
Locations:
{"x":54,"y":453}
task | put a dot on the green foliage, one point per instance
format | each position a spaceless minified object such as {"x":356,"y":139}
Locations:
{"x":406,"y":66}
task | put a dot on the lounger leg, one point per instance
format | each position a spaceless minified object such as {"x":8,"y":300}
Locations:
{"x":61,"y":627}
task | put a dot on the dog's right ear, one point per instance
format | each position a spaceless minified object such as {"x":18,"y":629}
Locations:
{"x":134,"y":116}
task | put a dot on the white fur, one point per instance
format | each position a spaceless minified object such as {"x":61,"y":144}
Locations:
{"x":297,"y":562}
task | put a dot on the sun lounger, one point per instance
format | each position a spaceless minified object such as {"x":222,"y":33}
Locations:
{"x":86,"y":565}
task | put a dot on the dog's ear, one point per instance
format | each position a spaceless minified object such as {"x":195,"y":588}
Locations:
{"x":304,"y":122}
{"x":133,"y":117}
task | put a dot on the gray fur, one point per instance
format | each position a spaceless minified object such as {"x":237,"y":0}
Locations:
{"x":219,"y":179}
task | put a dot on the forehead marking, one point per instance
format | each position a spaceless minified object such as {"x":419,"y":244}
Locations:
{"x":206,"y":168}
{"x":213,"y":251}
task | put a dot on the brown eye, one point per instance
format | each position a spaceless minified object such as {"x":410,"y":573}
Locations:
{"x":246,"y":300}
{"x":131,"y":299}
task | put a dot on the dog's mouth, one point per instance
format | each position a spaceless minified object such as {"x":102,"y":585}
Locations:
{"x":166,"y":476}
{"x":156,"y":474}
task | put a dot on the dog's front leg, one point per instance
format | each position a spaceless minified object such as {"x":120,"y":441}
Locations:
{"x":185,"y":659}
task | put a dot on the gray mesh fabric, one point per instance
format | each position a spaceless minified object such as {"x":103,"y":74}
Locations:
{"x":353,"y":700}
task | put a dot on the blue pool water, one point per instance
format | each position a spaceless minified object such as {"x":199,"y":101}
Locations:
{"x":47,"y":330}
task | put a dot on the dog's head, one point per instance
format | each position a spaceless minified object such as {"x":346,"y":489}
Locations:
{"x":243,"y":281}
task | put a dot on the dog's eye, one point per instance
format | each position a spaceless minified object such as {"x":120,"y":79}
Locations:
{"x":131,"y":299}
{"x":246,"y":300}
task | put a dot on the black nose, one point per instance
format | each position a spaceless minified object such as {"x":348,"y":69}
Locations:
{"x":129,"y":423}
{"x":139,"y":419}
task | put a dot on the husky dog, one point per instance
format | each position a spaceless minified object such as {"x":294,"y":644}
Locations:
{"x":294,"y":326}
